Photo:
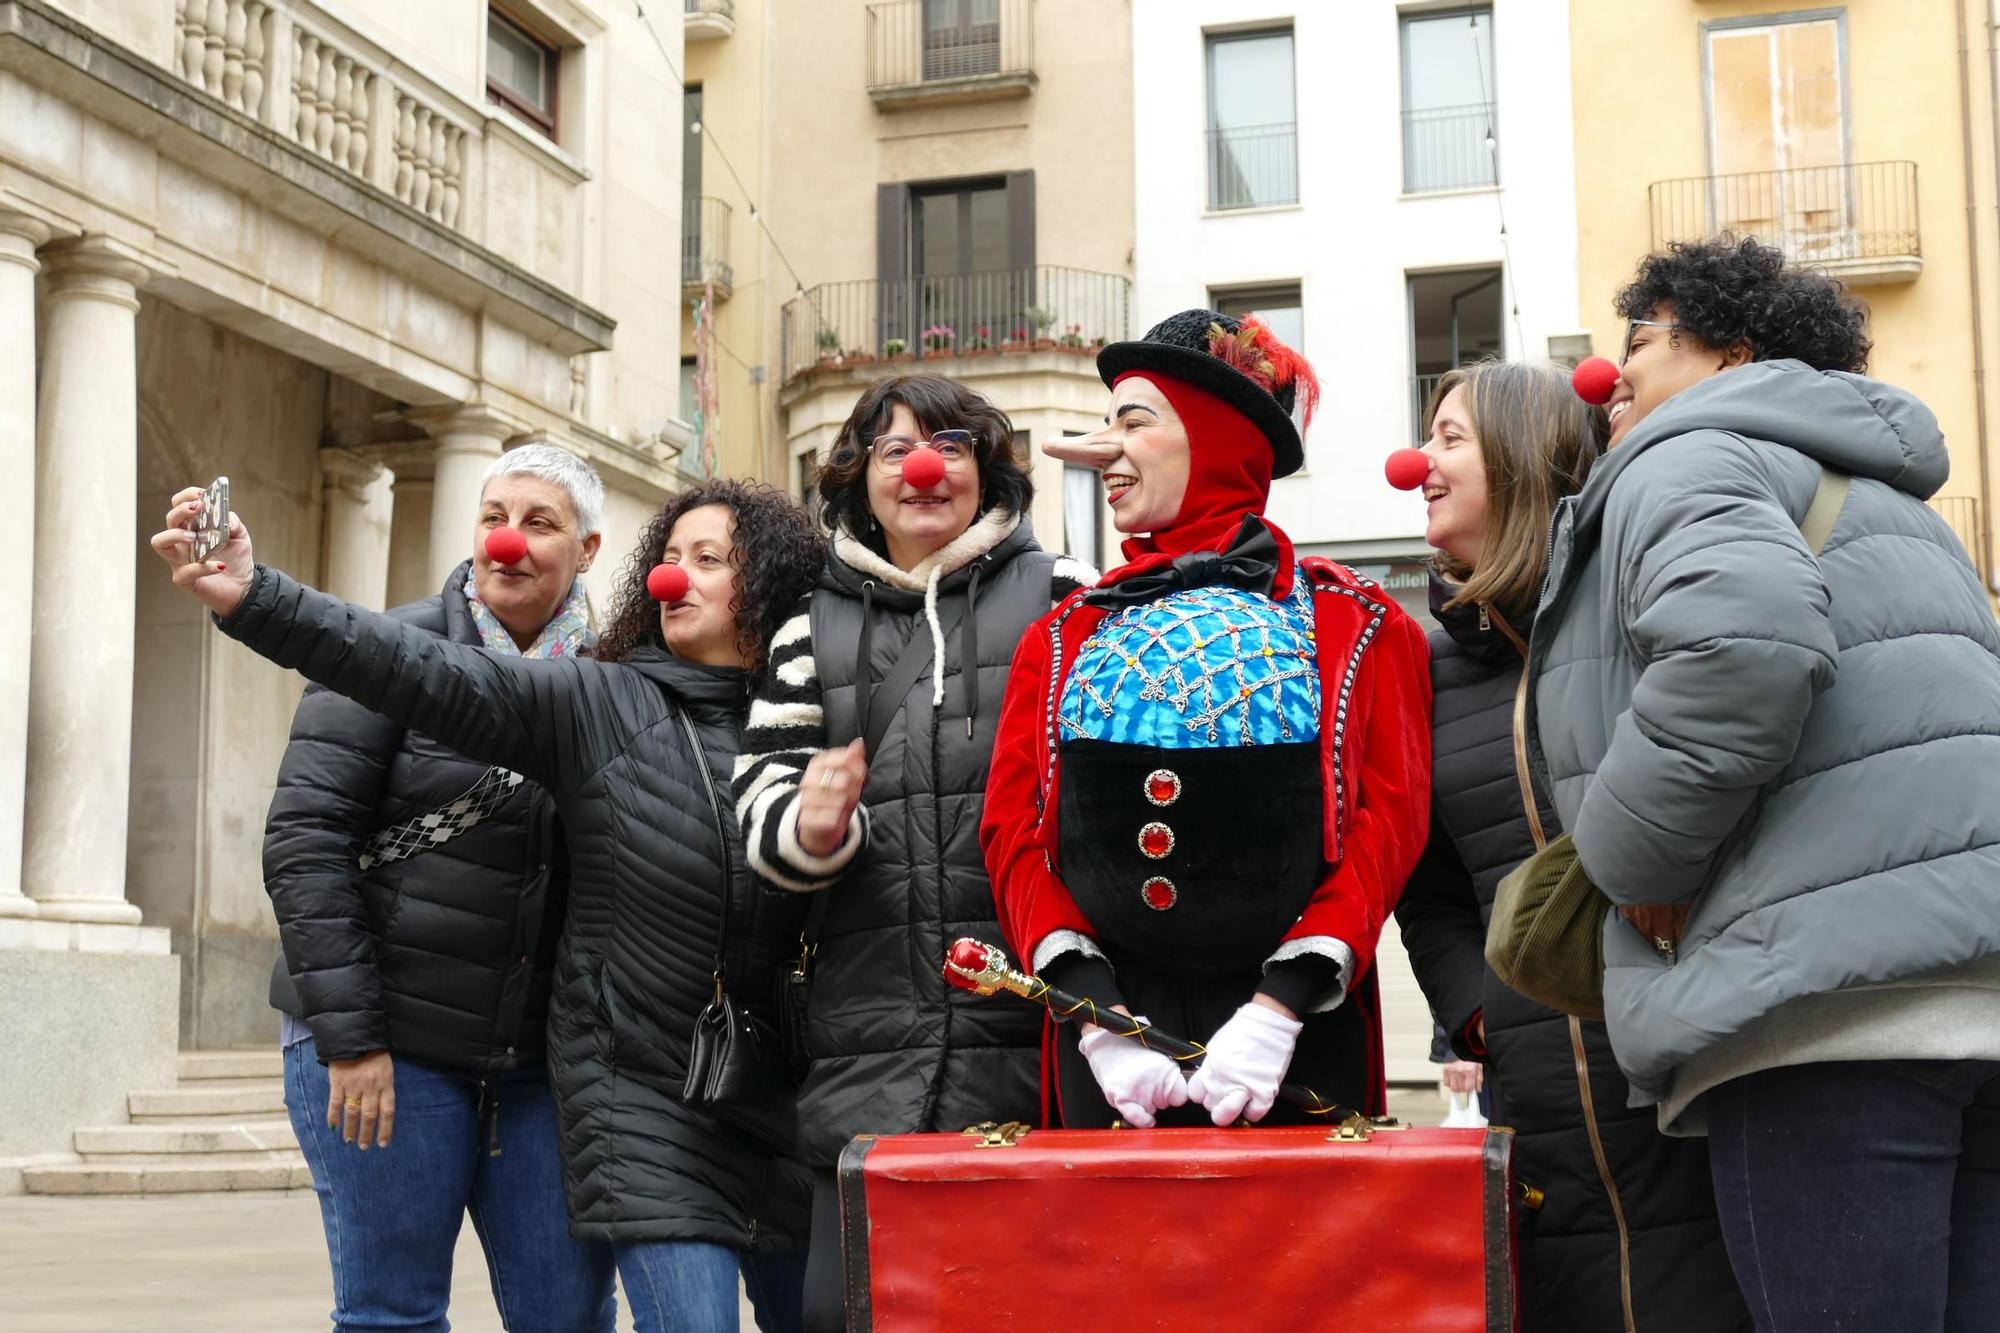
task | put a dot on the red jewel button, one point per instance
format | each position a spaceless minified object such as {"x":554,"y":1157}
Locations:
{"x":1159,"y":893}
{"x":1163,"y":786}
{"x":1156,"y":840}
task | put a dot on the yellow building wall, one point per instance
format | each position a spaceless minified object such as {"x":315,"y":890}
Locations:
{"x":1640,"y":117}
{"x":730,"y":71}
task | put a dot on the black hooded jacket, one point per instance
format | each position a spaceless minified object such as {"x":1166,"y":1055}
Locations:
{"x":1554,"y":1082}
{"x":636,"y":757}
{"x":444,"y":955}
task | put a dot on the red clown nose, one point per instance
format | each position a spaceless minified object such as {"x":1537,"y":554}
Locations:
{"x":504,"y":546}
{"x":924,"y":468}
{"x":1593,"y":379}
{"x":1407,"y":468}
{"x":667,"y":583}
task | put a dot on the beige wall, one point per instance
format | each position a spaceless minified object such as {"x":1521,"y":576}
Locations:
{"x":1904,"y":104}
{"x":831,"y":147}
{"x":731,"y":72}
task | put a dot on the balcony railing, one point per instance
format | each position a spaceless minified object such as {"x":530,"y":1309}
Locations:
{"x":1421,"y":389}
{"x":955,"y":315}
{"x":1961,"y":514}
{"x":930,"y":49}
{"x":705,"y":244}
{"x":709,"y":19}
{"x":1858,"y":218}
{"x":1450,"y":148}
{"x":329,"y":100}
{"x":1253,"y":166}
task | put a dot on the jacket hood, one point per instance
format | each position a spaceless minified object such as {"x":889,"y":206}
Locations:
{"x":692,"y":683}
{"x":996,"y":534}
{"x":1849,"y":423}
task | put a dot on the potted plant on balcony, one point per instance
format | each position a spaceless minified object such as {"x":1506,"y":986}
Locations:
{"x":978,"y":343}
{"x":859,"y":356}
{"x":829,"y":346}
{"x":939,"y":338}
{"x":1072,"y":339}
{"x":895,"y":349}
{"x":1097,"y":343}
{"x":1017,"y":341}
{"x":1041,"y":320}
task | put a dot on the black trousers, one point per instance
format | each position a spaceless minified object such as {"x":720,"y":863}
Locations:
{"x":825,"y":1295}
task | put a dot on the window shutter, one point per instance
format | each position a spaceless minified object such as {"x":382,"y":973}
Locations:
{"x":895,"y":308}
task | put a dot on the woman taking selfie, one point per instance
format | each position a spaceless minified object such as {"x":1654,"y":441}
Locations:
{"x":689,"y":1184}
{"x":898,"y":661}
{"x":1626,"y":1237}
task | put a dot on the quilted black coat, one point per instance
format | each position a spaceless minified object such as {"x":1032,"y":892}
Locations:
{"x":443,"y":955}
{"x":1540,"y":1069}
{"x":652,"y":863}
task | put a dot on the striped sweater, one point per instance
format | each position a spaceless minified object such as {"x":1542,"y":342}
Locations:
{"x":787,"y":723}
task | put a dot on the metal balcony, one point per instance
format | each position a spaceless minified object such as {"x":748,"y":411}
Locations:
{"x":1857,"y":220}
{"x":924,"y":52}
{"x":947,"y":321}
{"x":710,"y":20}
{"x":705,"y":247}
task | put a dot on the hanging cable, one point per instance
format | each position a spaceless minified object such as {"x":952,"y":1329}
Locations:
{"x":1499,"y":194}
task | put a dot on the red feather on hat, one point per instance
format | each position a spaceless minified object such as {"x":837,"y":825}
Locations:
{"x":1255,"y":351}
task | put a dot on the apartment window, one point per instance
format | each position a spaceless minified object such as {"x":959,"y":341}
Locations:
{"x":1253,"y":133}
{"x":806,"y":478}
{"x":1777,"y":131}
{"x":521,"y":71}
{"x":1450,"y":137}
{"x":1455,"y":317}
{"x":961,"y":38}
{"x":1277,"y":305}
{"x":1083,"y":513}
{"x":956,"y":257}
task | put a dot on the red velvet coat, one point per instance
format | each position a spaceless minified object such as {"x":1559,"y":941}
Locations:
{"x":1375,"y":759}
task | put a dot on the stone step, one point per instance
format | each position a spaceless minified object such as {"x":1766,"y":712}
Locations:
{"x":231,"y":1064}
{"x":164,"y":1177}
{"x":259,"y":1098}
{"x":218,"y":1135}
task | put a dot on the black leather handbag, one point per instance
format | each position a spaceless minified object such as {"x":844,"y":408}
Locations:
{"x":735,"y":1061}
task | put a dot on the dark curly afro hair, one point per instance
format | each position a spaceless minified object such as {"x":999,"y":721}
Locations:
{"x":1731,"y":291}
{"x":778,"y":555}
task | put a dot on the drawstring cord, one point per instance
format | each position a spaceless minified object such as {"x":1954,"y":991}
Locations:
{"x":864,"y":674}
{"x":968,"y":647}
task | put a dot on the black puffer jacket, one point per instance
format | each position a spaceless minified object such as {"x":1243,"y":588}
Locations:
{"x":894,"y":1049}
{"x":440,"y":956}
{"x":1571,"y":1252}
{"x":650,"y":857}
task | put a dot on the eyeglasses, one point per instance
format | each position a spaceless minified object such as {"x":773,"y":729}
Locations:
{"x":1634,"y":325}
{"x":956,"y":447}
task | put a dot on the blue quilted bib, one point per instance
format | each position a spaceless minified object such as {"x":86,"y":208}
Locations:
{"x":1210,"y":667}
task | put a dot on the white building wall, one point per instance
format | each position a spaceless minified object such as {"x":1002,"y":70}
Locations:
{"x":1354,"y":236}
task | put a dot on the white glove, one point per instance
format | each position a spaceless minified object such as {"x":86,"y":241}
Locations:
{"x":1246,"y":1061}
{"x":1136,"y":1081}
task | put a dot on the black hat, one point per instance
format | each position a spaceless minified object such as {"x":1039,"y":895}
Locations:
{"x":1238,"y":360}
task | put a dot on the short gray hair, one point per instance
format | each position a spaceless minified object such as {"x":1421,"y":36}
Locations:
{"x":558,"y":467}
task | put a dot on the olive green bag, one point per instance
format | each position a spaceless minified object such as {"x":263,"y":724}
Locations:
{"x":1546,"y":937}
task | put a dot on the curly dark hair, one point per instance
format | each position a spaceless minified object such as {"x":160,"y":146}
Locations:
{"x":938,"y":403}
{"x":777,"y":557}
{"x":1729,"y":291}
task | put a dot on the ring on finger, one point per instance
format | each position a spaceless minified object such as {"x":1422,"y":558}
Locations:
{"x":826,"y":780}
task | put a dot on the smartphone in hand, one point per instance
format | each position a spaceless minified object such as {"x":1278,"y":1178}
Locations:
{"x":211,"y":529}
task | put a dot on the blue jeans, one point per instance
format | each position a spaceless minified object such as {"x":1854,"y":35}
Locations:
{"x":392,"y":1214}
{"x":1862,"y":1195}
{"x":687,"y":1286}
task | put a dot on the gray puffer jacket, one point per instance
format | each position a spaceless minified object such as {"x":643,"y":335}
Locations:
{"x":1806,"y":751}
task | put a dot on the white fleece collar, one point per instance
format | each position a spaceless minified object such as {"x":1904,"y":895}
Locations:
{"x":994,"y":526}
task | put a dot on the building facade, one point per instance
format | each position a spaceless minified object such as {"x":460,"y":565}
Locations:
{"x":345,"y":253}
{"x":1861,"y":138}
{"x":1390,"y":186}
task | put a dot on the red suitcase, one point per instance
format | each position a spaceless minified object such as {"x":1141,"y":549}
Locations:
{"x":1104,"y":1231}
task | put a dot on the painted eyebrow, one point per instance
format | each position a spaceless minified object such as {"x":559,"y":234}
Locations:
{"x":1123,"y":408}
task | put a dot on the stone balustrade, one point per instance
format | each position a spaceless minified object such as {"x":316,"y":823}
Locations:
{"x":283,"y":63}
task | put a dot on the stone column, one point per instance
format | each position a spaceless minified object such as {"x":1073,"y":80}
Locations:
{"x":468,"y":440}
{"x":85,"y":556}
{"x":19,"y":235}
{"x":355,"y":537}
